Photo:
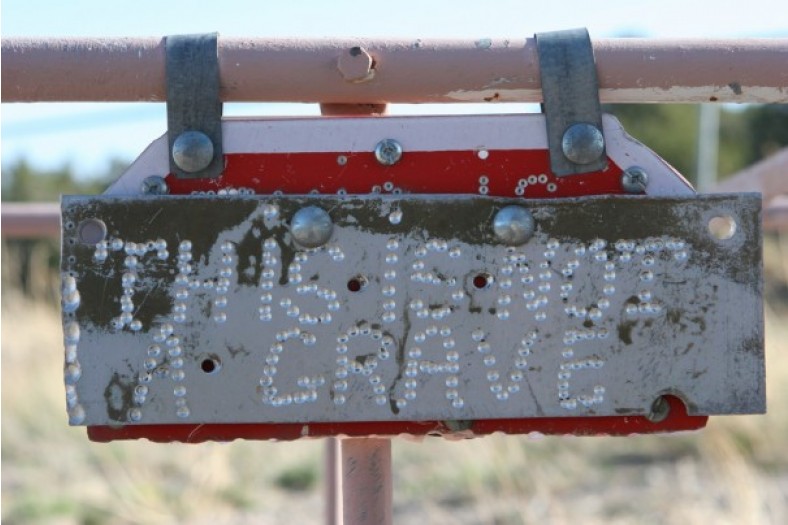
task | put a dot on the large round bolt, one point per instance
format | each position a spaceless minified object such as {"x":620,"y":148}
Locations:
{"x":583,"y":143}
{"x":388,"y":152}
{"x":356,"y":65}
{"x":513,"y":225}
{"x":192,"y":151}
{"x":311,"y":227}
{"x":634,"y":180}
{"x":154,"y":185}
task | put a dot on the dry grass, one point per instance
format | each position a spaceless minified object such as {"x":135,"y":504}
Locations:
{"x":735,"y":471}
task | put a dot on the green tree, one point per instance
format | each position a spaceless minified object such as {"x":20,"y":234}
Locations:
{"x":747,"y":135}
{"x":671,"y":130}
{"x":767,"y":130}
{"x":22,"y":182}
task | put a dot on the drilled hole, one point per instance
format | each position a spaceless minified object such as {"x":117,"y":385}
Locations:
{"x":722,"y":227}
{"x":91,"y":231}
{"x":482,"y":280}
{"x":355,"y":284}
{"x":210,"y":365}
{"x":483,"y":154}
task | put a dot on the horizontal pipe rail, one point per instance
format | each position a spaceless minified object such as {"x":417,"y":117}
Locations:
{"x":30,"y":220}
{"x":775,"y":217}
{"x":343,"y":71}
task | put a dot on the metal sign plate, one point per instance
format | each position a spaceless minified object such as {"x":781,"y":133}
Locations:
{"x":197,"y":310}
{"x":488,"y":155}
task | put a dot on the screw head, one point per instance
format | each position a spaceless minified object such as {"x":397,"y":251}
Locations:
{"x":634,"y":180}
{"x":154,"y":185}
{"x":311,"y":227}
{"x":514,"y":225}
{"x":388,"y":152}
{"x":660,"y":410}
{"x":583,"y":143}
{"x":192,"y":151}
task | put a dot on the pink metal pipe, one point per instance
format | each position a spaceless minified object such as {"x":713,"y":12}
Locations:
{"x":775,"y":217}
{"x":766,"y":177}
{"x":30,"y":220}
{"x":332,"y":482}
{"x":366,"y":482}
{"x":347,"y":71}
{"x":342,"y":486}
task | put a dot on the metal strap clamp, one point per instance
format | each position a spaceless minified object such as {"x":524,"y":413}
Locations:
{"x":571,"y":102}
{"x":194,"y":110}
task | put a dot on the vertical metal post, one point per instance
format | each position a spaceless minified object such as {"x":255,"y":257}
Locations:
{"x":708,"y":145}
{"x":358,"y":481}
{"x":366,"y":486}
{"x":332,"y":482}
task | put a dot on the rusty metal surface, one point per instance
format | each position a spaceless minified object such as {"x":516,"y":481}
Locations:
{"x":612,"y":303}
{"x":400,"y":70}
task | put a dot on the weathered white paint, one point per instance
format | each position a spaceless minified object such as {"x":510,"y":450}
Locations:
{"x":638,"y":95}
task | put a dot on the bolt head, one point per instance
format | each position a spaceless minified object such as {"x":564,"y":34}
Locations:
{"x":192,"y":151}
{"x":514,"y":225}
{"x":311,"y":227}
{"x":388,"y":152}
{"x":356,"y":65}
{"x":154,"y":185}
{"x":660,"y":410}
{"x":583,"y":143}
{"x":634,"y":180}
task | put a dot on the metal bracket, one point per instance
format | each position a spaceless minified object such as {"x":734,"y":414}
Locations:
{"x":194,"y":110}
{"x":571,"y":102}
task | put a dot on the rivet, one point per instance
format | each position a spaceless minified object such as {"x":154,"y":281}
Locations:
{"x":154,"y":185}
{"x":311,"y":227}
{"x":388,"y":152}
{"x":513,"y":225}
{"x":192,"y":151}
{"x":634,"y":180}
{"x":583,"y":143}
{"x":92,"y":231}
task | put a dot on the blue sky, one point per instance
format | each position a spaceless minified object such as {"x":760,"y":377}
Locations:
{"x":88,"y":135}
